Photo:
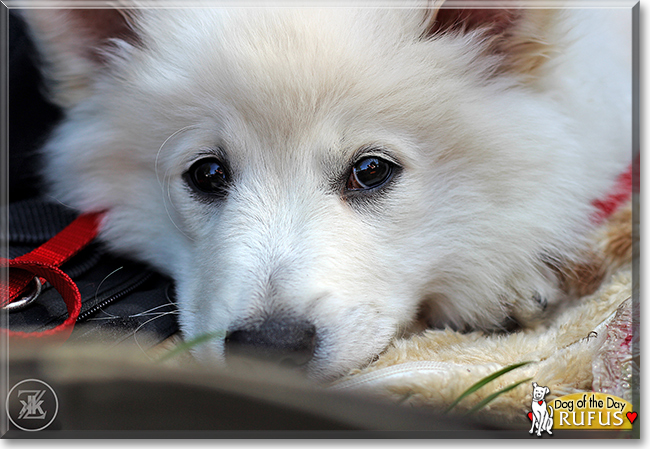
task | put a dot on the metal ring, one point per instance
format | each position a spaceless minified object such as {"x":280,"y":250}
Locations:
{"x":23,"y":302}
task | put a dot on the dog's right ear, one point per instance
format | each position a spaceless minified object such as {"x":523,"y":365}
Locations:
{"x":534,"y":384}
{"x":74,"y":44}
{"x":522,"y":39}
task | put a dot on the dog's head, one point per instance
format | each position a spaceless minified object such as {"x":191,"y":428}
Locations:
{"x":311,"y":177}
{"x":539,"y":393}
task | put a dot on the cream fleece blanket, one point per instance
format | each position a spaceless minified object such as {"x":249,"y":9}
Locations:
{"x":587,"y":347}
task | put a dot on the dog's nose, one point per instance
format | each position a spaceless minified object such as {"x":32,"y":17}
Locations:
{"x":287,"y":342}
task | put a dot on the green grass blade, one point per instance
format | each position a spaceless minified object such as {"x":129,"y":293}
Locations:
{"x":187,"y":345}
{"x":483,"y":382}
{"x":496,"y":394}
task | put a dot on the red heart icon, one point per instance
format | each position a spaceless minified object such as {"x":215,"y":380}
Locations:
{"x":540,"y":402}
{"x":530,"y":415}
{"x":631,"y":416}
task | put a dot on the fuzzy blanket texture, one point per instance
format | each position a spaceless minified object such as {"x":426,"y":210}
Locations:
{"x":590,"y":345}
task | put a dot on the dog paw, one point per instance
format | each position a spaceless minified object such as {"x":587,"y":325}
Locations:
{"x":541,"y":300}
{"x":536,"y":296}
{"x":535,"y":308}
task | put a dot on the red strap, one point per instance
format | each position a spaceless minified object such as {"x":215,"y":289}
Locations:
{"x":620,"y":194}
{"x":64,"y":285}
{"x":44,"y":262}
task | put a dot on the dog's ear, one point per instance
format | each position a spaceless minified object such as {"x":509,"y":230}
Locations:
{"x":74,"y":45}
{"x":522,"y":38}
{"x":546,"y":389}
{"x":534,"y":384}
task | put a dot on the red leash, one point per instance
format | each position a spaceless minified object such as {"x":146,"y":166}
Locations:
{"x":621,"y":193}
{"x":43,"y":263}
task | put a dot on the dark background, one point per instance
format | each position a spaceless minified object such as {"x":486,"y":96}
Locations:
{"x":31,"y":116}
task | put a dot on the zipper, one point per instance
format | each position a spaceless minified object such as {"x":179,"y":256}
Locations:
{"x":113,"y":298}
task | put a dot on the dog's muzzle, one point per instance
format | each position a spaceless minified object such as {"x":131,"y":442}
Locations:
{"x":287,"y":342}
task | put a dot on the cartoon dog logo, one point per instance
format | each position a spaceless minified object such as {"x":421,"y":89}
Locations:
{"x":542,"y":415}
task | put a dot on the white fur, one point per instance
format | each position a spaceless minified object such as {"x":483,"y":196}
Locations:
{"x":498,"y":170}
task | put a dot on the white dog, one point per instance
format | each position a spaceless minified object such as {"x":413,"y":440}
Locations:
{"x":313,"y":179}
{"x":542,"y":413}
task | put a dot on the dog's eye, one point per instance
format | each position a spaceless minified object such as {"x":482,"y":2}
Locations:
{"x":208,"y":176}
{"x":369,"y":173}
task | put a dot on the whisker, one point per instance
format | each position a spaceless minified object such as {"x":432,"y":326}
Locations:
{"x":152,"y":309}
{"x":165,"y":185}
{"x":141,"y":314}
{"x":109,"y":275}
{"x":59,"y":201}
{"x":162,"y":146}
{"x":169,"y":192}
{"x":169,"y":215}
{"x":135,"y":332}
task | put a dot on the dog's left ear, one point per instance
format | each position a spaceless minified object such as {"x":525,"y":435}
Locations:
{"x":522,"y":39}
{"x":547,"y":390}
{"x":74,"y":44}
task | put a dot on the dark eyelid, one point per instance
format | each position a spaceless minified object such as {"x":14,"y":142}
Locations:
{"x":217,"y":153}
{"x":373,"y":151}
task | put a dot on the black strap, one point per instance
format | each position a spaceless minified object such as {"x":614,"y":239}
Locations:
{"x":34,"y":221}
{"x":120,"y":298}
